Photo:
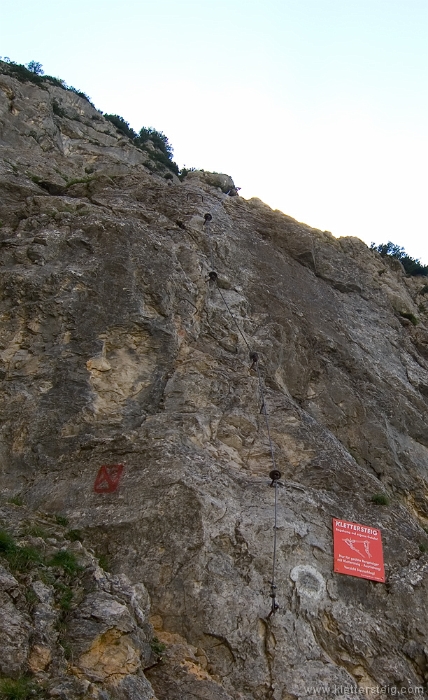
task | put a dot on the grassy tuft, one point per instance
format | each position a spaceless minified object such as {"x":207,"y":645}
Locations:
{"x":7,"y":543}
{"x":16,"y":689}
{"x":157,"y":646}
{"x":37,"y":531}
{"x":16,"y":500}
{"x":103,"y":561}
{"x":74,"y":536}
{"x":20,"y":559}
{"x":380,"y":499}
{"x":31,"y":598}
{"x":65,"y":596}
{"x":65,"y":560}
{"x":412,"y":318}
{"x":68,"y":654}
{"x":23,"y":559}
{"x":79,"y":180}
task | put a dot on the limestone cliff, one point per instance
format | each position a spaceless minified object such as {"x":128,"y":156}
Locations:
{"x":116,"y":350}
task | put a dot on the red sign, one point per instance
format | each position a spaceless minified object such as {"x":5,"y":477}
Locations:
{"x":358,"y":550}
{"x":108,"y":478}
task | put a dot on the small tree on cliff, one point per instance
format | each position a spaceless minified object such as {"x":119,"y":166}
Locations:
{"x":35,"y":67}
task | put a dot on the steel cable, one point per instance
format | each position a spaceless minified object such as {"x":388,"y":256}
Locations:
{"x":233,"y":318}
{"x":275,"y":475}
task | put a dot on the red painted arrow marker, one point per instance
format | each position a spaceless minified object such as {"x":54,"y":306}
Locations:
{"x":108,"y":478}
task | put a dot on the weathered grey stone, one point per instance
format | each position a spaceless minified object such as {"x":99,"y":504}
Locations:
{"x":44,"y":616}
{"x":14,"y":634}
{"x":133,"y":688}
{"x":183,"y":673}
{"x":8,"y":583}
{"x":74,"y":689}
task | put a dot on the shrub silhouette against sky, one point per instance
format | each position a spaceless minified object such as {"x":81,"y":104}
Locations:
{"x":411,"y":265}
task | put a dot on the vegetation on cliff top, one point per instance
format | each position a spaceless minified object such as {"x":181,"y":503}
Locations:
{"x":162,"y":152}
{"x":33,"y":72}
{"x":411,"y":265}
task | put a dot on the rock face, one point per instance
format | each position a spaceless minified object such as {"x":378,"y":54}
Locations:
{"x":116,"y":349}
{"x":80,"y":631}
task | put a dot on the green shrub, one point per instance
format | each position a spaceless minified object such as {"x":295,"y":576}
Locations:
{"x":162,"y":155}
{"x":35,"y":67}
{"x":80,"y":93}
{"x":61,"y":520}
{"x":158,"y":139}
{"x":121,"y":125}
{"x":163,"y":150}
{"x":185,"y":171}
{"x":162,"y":160}
{"x":57,"y":109}
{"x":7,"y":543}
{"x":423,"y":548}
{"x":380,"y":499}
{"x":157,"y":646}
{"x":65,"y":560}
{"x":16,"y":500}
{"x":411,"y":317}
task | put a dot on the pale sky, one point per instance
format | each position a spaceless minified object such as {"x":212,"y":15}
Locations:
{"x":317,"y":107}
